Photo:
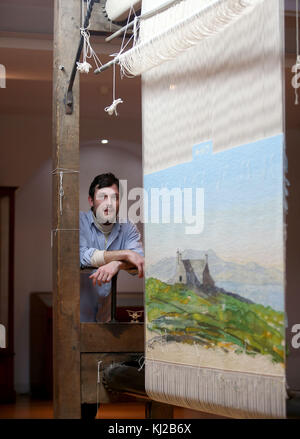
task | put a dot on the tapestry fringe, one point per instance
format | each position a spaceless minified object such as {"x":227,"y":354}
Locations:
{"x":231,"y":394}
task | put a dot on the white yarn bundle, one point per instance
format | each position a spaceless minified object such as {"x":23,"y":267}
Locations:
{"x":87,"y":52}
{"x":181,"y":26}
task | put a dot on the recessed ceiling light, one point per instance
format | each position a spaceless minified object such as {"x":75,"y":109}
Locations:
{"x":104,"y":141}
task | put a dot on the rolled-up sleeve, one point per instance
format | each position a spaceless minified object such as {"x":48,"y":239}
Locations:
{"x":133,"y":240}
{"x":85,"y":251}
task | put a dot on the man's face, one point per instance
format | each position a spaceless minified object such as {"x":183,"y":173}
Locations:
{"x":105,"y":204}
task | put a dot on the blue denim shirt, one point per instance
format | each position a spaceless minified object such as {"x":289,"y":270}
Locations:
{"x":124,"y":236}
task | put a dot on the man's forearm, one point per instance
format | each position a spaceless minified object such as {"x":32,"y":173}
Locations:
{"x":98,"y":259}
{"x":128,"y":258}
{"x":110,"y":262}
{"x":115,"y":255}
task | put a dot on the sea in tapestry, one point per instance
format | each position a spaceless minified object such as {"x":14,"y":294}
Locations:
{"x":215,"y":292}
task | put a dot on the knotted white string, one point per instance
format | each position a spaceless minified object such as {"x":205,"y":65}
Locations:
{"x":87,"y":51}
{"x":61,"y":191}
{"x":83,"y":67}
{"x":141,"y":362}
{"x":111,"y":109}
{"x":62,"y":171}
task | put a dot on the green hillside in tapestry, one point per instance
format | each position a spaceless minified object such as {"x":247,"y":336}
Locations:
{"x":216,"y":319}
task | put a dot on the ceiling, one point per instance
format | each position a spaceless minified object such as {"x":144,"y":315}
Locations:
{"x":26,"y":35}
{"x":26,"y":102}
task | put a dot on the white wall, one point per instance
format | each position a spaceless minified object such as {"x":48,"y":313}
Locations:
{"x":33,"y":260}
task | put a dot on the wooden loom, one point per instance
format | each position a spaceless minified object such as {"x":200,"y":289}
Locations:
{"x":79,"y":346}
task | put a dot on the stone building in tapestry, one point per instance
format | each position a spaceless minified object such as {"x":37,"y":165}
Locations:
{"x":192,"y":272}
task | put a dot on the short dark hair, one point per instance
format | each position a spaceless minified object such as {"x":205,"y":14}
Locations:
{"x":103,"y":180}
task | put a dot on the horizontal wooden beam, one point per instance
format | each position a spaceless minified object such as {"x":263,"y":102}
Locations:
{"x":111,"y":337}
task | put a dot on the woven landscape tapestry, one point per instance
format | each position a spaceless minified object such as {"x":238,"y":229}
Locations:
{"x":220,"y":293}
{"x":213,"y":146}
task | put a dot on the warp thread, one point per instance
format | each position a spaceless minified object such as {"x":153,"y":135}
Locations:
{"x":98,"y":383}
{"x":183,"y":25}
{"x":227,"y":393}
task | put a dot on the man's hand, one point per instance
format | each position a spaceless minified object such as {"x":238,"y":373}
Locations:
{"x":105,"y":273}
{"x":137,"y":260}
{"x":128,"y":259}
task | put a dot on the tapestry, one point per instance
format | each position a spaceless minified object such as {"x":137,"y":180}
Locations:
{"x":215,"y":278}
{"x":214,"y":176}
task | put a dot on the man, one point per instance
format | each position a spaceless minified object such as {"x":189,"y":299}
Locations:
{"x":105,"y":243}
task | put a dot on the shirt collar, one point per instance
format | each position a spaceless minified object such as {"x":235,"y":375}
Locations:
{"x":115,"y":230}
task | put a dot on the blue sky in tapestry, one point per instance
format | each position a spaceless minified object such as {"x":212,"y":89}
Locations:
{"x":243,"y":222}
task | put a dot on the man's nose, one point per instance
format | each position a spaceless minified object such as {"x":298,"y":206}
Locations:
{"x":109,"y":201}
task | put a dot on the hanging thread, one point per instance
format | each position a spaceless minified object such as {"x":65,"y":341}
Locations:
{"x":166,"y":34}
{"x":61,"y":172}
{"x":98,"y":383}
{"x":141,"y":362}
{"x":111,"y":109}
{"x":87,"y":52}
{"x":61,"y":191}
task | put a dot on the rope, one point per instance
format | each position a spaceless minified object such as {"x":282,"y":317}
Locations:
{"x":88,"y":52}
{"x":62,"y":171}
{"x":111,"y":109}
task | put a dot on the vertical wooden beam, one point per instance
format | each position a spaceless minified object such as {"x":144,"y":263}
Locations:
{"x":66,"y":285}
